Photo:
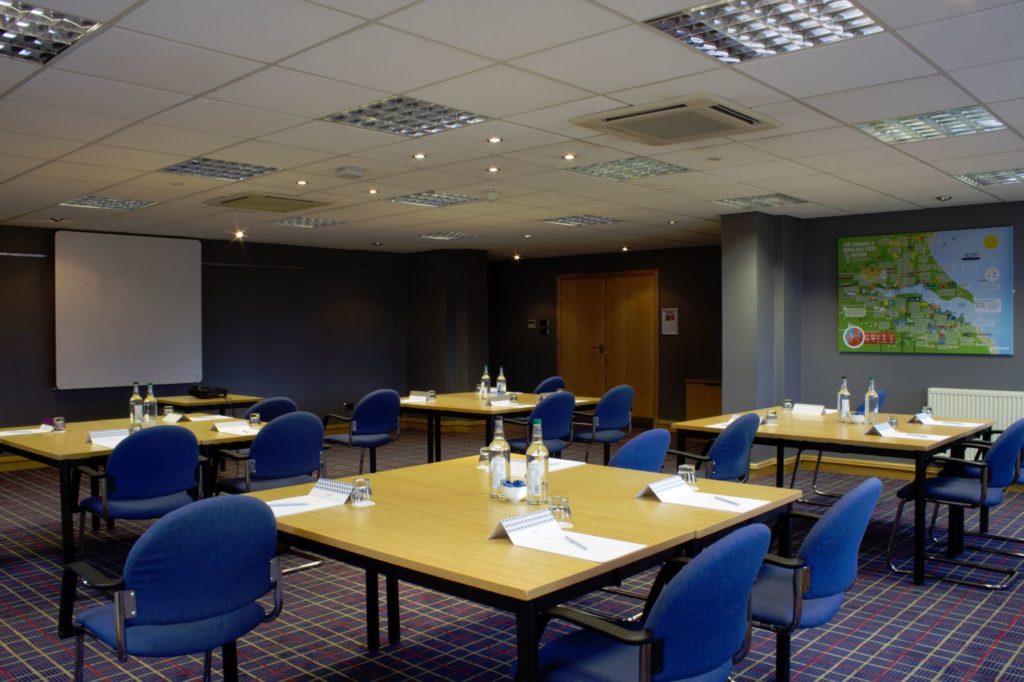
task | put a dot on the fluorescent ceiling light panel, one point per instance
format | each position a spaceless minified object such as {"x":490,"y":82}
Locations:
{"x":222,"y":170}
{"x":109,"y":203}
{"x":761,"y":201}
{"x":37,"y":34}
{"x":576,"y":220}
{"x":406,"y":116}
{"x":630,"y":169}
{"x":1003,"y":177}
{"x":448,"y":236}
{"x":434,"y":199}
{"x":305,"y":221}
{"x":741,"y":30}
{"x":933,"y":125}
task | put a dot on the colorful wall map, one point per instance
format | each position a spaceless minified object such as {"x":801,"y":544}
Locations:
{"x":927,"y":292}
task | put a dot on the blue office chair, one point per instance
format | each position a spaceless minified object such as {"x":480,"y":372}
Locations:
{"x":375,"y":422}
{"x":644,"y":452}
{"x":609,"y":423}
{"x":148,"y":474}
{"x":807,"y":591}
{"x":191,"y":584}
{"x":709,"y":596}
{"x":728,"y":457}
{"x":550,"y":385}
{"x":286,"y":451}
{"x":998,"y":469}
{"x":270,"y":408}
{"x":817,"y":463}
{"x":555,"y":415}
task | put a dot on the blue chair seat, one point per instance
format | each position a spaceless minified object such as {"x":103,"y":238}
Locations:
{"x":773,"y":595}
{"x":954,"y":489}
{"x":145,"y":508}
{"x":554,"y":445}
{"x":236,"y":486}
{"x":368,"y":440}
{"x":599,"y":436}
{"x":174,"y":639}
{"x":586,"y":655}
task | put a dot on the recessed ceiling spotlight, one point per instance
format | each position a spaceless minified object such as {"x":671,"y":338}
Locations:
{"x":494,"y":139}
{"x":493,"y":169}
{"x":943,"y":197}
{"x":569,"y":157}
{"x":302,"y":182}
{"x":516,"y":256}
{"x":377,"y":244}
{"x":372,"y":190}
{"x":56,"y":219}
{"x":625,"y":248}
{"x":671,"y":222}
{"x":527,"y":236}
{"x":239,"y":233}
{"x":419,"y":156}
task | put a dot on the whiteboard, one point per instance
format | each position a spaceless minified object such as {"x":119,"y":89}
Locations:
{"x":127,"y":309}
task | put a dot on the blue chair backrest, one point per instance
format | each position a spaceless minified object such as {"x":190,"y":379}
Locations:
{"x":201,"y":561}
{"x":710,"y":596}
{"x":1002,"y":456}
{"x":645,"y":452}
{"x":550,"y":385}
{"x":555,"y":414}
{"x":271,"y":408}
{"x":377,"y":412}
{"x":288,"y":446}
{"x":614,"y":409}
{"x":153,"y":462}
{"x":830,"y":548}
{"x":731,"y":450}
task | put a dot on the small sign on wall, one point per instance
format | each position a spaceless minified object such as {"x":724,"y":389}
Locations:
{"x":670,"y":321}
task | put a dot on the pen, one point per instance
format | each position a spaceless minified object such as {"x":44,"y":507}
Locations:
{"x":574,"y":541}
{"x":727,"y":501}
{"x":289,"y":504}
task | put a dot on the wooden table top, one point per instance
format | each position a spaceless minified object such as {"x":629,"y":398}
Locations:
{"x":827,"y":429}
{"x":192,"y":401}
{"x":436,"y":518}
{"x":470,"y":403}
{"x":73,"y":443}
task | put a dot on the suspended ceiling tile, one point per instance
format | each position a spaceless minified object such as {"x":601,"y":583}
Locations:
{"x":755,"y":172}
{"x":624,"y":58}
{"x":972,"y":39}
{"x":97,"y":10}
{"x":556,"y":119}
{"x":793,"y":117}
{"x":293,"y":92}
{"x":513,"y":137}
{"x":368,"y":9}
{"x":880,"y":178}
{"x":404,"y":149}
{"x":499,"y":91}
{"x":508,"y":168}
{"x":553,"y":155}
{"x":157,"y":138}
{"x":912,"y":12}
{"x":993,"y":82}
{"x":332,"y":137}
{"x":267,"y":154}
{"x":266,"y":30}
{"x":11,"y":166}
{"x":982,"y":163}
{"x":46,"y":121}
{"x":122,"y":157}
{"x":1011,"y":112}
{"x":222,"y":118}
{"x":857,"y":159}
{"x":559,"y":179}
{"x":374,"y":169}
{"x":62,"y":170}
{"x":967,"y":145}
{"x":106,"y":97}
{"x":16,"y":70}
{"x":856,"y":63}
{"x":35,"y":146}
{"x":504,"y":30}
{"x":815,"y":142}
{"x":716,"y":156}
{"x":914,"y":96}
{"x":722,"y":81}
{"x":410,"y":62}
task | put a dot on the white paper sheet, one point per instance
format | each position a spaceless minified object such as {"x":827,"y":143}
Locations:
{"x":915,"y":436}
{"x":727,"y":503}
{"x":172,"y":417}
{"x":109,"y":438}
{"x":206,"y":417}
{"x":43,"y":428}
{"x":808,"y":410}
{"x":931,"y":421}
{"x":325,"y":493}
{"x":236,"y":428}
{"x":539,"y":530}
{"x":554,"y":464}
{"x":414,"y":399}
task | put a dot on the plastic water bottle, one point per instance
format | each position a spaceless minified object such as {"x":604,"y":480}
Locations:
{"x":537,"y":468}
{"x":871,"y":402}
{"x":843,"y":402}
{"x":499,"y":460}
{"x":135,"y":410}
{"x":502,"y":384}
{"x":485,"y":383}
{"x":149,"y":407}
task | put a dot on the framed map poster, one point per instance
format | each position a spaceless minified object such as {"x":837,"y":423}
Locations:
{"x":948,"y":291}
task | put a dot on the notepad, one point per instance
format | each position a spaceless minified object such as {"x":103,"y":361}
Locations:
{"x":172,"y":417}
{"x":886,"y":430}
{"x":109,"y":438}
{"x":808,"y":410}
{"x":325,"y":493}
{"x":236,"y":428}
{"x":43,"y":428}
{"x":205,"y":417}
{"x":539,"y":530}
{"x":922,"y":418}
{"x":554,"y":464}
{"x":673,"y":491}
{"x":415,"y":399}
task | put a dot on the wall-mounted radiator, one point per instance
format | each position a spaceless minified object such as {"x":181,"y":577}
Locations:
{"x":1002,"y":407}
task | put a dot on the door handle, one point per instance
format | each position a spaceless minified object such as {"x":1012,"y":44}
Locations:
{"x":600,"y":348}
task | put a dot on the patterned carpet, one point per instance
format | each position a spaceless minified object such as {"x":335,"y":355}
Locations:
{"x":888,"y":629}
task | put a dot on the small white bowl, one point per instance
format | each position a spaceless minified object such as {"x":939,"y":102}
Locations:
{"x":514,"y":493}
{"x":857,"y":418}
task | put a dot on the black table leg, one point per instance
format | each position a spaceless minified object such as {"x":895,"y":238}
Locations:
{"x":489,"y":430}
{"x":780,"y":466}
{"x":430,"y":437}
{"x":437,"y":438}
{"x":920,"y":472}
{"x":372,"y":611}
{"x":527,"y":639}
{"x":68,"y":494}
{"x":394,"y":622}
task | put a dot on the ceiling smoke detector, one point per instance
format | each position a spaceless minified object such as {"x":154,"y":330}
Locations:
{"x":680,"y":119}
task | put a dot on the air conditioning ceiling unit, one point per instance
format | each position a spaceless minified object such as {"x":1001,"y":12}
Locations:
{"x":680,"y":119}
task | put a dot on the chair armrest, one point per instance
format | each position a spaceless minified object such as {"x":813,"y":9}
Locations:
{"x":801,"y":583}
{"x":69,"y":589}
{"x":703,"y":457}
{"x":582,"y":415}
{"x":233,"y":454}
{"x":792,"y":563}
{"x":979,"y":463}
{"x":805,"y":515}
{"x":598,"y":624}
{"x":90,"y":471}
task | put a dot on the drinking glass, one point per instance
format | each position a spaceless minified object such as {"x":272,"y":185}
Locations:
{"x":168,"y":410}
{"x":362,"y":494}
{"x":254,"y":420}
{"x":894,"y":422}
{"x":787,"y":404}
{"x":926,"y":410}
{"x":59,"y":423}
{"x":688,"y":473}
{"x":484,"y":463}
{"x":772,"y":417}
{"x":560,"y":510}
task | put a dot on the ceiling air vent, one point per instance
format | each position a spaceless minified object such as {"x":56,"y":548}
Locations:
{"x":680,"y":119}
{"x":265,"y":202}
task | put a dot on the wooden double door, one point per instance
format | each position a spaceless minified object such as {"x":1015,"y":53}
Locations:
{"x":608,"y":335}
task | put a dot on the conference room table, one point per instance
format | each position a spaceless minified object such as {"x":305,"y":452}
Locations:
{"x":470,"y":405}
{"x":825,"y":432}
{"x":190,"y":403}
{"x":65,"y":450}
{"x":431,"y":522}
